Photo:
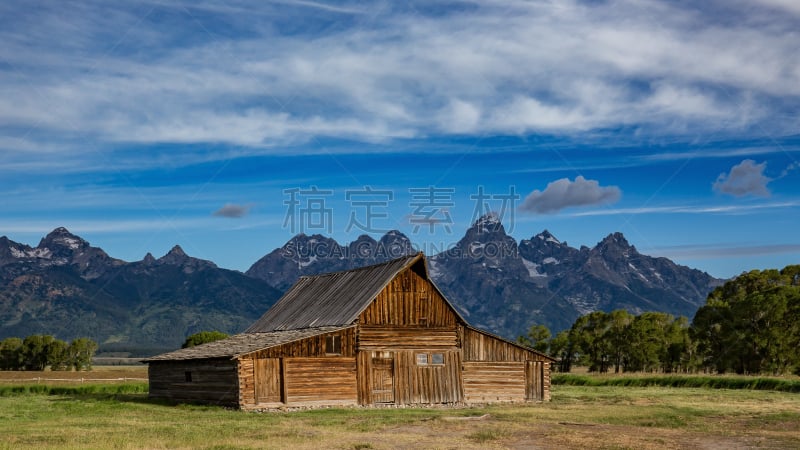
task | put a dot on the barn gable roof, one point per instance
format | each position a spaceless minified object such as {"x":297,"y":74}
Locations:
{"x":337,"y":298}
{"x":240,"y":344}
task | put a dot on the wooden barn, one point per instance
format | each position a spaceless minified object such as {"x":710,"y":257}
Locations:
{"x":378,"y":335}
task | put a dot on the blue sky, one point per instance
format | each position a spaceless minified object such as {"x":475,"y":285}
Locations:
{"x":143,"y":125}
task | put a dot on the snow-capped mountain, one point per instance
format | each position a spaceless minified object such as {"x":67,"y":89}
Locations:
{"x":545,"y":281}
{"x":505,"y":286}
{"x":311,"y":255}
{"x":67,"y":288}
{"x":58,"y":248}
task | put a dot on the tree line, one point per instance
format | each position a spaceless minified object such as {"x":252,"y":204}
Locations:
{"x":36,"y":352}
{"x":750,"y":325}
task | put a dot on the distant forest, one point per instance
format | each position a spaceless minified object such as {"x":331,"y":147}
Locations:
{"x":750,"y":325}
{"x":37,"y":352}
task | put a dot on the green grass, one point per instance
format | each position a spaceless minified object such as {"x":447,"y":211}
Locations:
{"x":83,"y":389}
{"x":680,"y":381}
{"x":121,"y":416}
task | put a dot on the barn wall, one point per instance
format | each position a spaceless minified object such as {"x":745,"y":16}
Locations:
{"x":494,"y":381}
{"x":415,"y":384}
{"x":486,"y":360}
{"x":484,"y":347}
{"x":407,"y":318}
{"x":270,"y":382}
{"x":208,"y":381}
{"x":312,"y":346}
{"x":409,"y":300}
{"x":320,"y":380}
{"x":294,"y":363}
{"x":397,"y":338}
{"x":247,"y":383}
{"x":411,"y":383}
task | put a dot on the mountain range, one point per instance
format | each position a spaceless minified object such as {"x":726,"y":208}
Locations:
{"x":68,"y":288}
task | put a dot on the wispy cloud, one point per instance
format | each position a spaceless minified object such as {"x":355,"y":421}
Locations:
{"x":114,"y":74}
{"x":719,"y":209}
{"x":564,"y":193}
{"x":714,"y":251}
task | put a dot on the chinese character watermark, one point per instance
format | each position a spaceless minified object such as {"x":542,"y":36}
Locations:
{"x":306,"y":210}
{"x":368,"y":199}
{"x":505,"y":213}
{"x":432,"y":207}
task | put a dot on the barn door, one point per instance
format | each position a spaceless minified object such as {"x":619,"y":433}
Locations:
{"x":534,"y":380}
{"x":382,"y":378}
{"x":268,"y":380}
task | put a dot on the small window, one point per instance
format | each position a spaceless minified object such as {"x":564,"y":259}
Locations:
{"x":333,"y":345}
{"x":188,"y":376}
{"x":422,"y":359}
{"x":437,"y":358}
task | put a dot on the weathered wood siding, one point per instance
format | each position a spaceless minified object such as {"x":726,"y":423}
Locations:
{"x":247,"y":382}
{"x":323,"y":380}
{"x":484,"y":347}
{"x":411,"y":383}
{"x":397,"y":338}
{"x":268,"y":380}
{"x":271,"y":382}
{"x":537,"y":380}
{"x":195,"y":381}
{"x":263,"y":374}
{"x":312,"y":346}
{"x":485,"y":360}
{"x":494,"y":381}
{"x":409,"y":300}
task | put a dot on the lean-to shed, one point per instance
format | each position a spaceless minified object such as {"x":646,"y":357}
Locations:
{"x":382,"y":334}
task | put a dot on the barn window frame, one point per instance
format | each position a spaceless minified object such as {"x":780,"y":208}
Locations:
{"x":430,"y":359}
{"x":187,"y":375}
{"x":333,"y":344}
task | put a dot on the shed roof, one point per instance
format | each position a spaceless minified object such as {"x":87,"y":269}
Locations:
{"x":241,"y":344}
{"x":509,"y":341}
{"x":337,"y":298}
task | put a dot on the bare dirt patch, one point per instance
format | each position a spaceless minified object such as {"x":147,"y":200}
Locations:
{"x":97,"y":374}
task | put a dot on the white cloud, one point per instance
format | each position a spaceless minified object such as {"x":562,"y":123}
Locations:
{"x":564,"y":193}
{"x":745,"y":178}
{"x":381,"y":73}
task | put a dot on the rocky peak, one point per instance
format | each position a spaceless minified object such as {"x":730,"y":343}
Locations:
{"x":547,"y":254}
{"x":149,"y":259}
{"x":363,"y":247}
{"x":395,"y":244}
{"x":63,"y":241}
{"x":176,"y":255}
{"x":547,"y":238}
{"x":615,"y":243}
{"x":303,"y":250}
{"x":488,"y":223}
{"x":11,"y":251}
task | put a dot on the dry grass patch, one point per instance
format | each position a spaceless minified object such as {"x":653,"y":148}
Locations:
{"x":578,"y":417}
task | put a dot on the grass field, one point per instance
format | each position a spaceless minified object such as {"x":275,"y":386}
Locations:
{"x":118,"y":415}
